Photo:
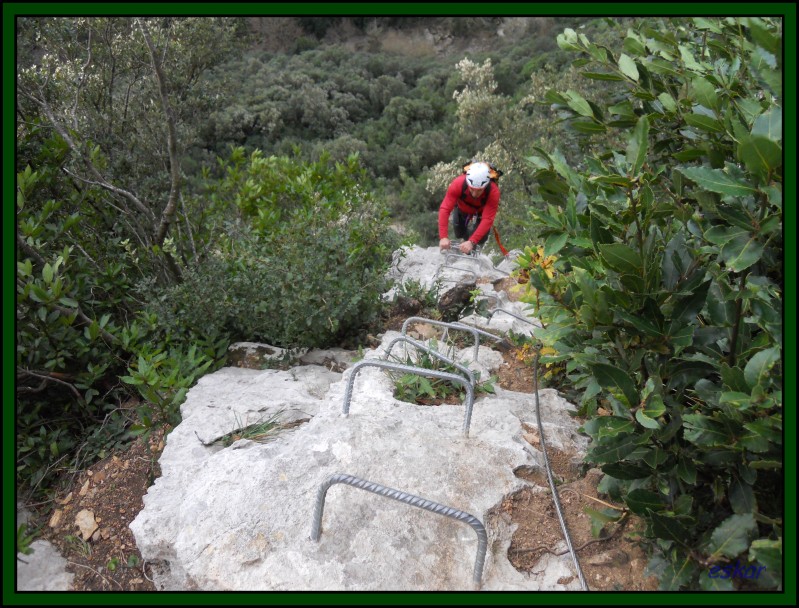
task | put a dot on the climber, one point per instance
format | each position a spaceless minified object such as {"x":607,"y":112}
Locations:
{"x":474,"y":196}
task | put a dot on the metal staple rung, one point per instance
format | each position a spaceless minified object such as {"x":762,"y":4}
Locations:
{"x":471,"y":272}
{"x":434,"y":353}
{"x":410,"y":499}
{"x":512,"y":314}
{"x":418,"y":371}
{"x":475,"y":332}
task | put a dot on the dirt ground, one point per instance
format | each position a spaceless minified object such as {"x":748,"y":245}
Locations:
{"x":105,"y":498}
{"x":102,"y":552}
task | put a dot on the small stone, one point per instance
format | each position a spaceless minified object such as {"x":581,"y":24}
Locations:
{"x":65,"y":500}
{"x":84,"y":488}
{"x":136,"y":581}
{"x":55,"y":518}
{"x":86,"y":522}
{"x":97,"y":535}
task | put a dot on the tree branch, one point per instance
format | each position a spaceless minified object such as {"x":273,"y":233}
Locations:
{"x":101,"y":181}
{"x":168,"y":216}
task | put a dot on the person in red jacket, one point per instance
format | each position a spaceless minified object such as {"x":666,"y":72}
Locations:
{"x":474,"y":197}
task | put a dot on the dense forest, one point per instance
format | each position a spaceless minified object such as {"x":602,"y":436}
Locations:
{"x":180,"y":179}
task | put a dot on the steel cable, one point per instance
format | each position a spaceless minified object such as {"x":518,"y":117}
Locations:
{"x":555,"y":497}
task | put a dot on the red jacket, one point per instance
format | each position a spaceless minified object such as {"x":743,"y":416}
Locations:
{"x":468,"y":205}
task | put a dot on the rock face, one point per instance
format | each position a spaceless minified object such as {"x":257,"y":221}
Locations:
{"x":240,"y":517}
{"x":43,"y":569}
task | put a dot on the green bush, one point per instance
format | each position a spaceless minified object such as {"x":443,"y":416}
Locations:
{"x":666,"y":302}
{"x":302,"y":261}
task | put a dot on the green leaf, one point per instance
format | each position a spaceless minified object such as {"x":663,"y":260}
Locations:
{"x":686,"y":470}
{"x":664,"y":68}
{"x":759,"y":436}
{"x":626,"y":470}
{"x":637,"y":145}
{"x":639,"y":501}
{"x":621,"y":258}
{"x":655,"y":457}
{"x":634,"y":46}
{"x":721,"y":235}
{"x":601,"y":76}
{"x":654,"y":406}
{"x":616,"y":448}
{"x":767,"y":552}
{"x":687,"y":308}
{"x":578,"y":103}
{"x":669,"y":528}
{"x":706,"y":583}
{"x":568,"y":40}
{"x":715,"y":180}
{"x":765,"y":464}
{"x":739,"y":400}
{"x":677,"y":574}
{"x":628,"y":68}
{"x":555,"y":243}
{"x":646,"y":421}
{"x":587,"y":126}
{"x":758,"y":367}
{"x":733,"y":536}
{"x":761,"y":155}
{"x":704,"y":123}
{"x":617,"y":381}
{"x":668,"y":102}
{"x":68,"y":302}
{"x":47,"y":273}
{"x":705,"y":432}
{"x":705,"y":93}
{"x":742,"y":497}
{"x":742,"y":252}
{"x":608,"y":426}
{"x":643,"y":325}
{"x":769,"y":125}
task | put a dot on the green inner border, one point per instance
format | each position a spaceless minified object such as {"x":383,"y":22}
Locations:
{"x":13,"y":9}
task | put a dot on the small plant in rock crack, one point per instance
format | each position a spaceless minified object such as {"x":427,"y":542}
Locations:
{"x":260,"y":432}
{"x":25,"y":536}
{"x":77,"y":544}
{"x":413,"y":289}
{"x":414,"y":388}
{"x":479,"y":303}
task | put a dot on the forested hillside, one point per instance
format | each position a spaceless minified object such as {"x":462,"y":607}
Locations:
{"x":181,"y":180}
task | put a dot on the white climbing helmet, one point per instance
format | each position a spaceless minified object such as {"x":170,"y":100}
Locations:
{"x":477,"y":175}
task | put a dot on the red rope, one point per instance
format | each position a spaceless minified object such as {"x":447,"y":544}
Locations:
{"x":501,"y":248}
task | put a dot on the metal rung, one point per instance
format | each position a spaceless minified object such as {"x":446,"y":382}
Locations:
{"x":471,"y":272}
{"x":475,"y":332}
{"x":463,"y":256}
{"x":512,"y":314}
{"x":418,"y":371}
{"x":434,"y":353}
{"x":410,"y":499}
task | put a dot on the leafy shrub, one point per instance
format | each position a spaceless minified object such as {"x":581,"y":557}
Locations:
{"x":302,"y":264}
{"x":665,"y":300}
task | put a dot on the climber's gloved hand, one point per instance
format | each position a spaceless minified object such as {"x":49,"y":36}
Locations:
{"x":444,"y":244}
{"x":466,"y":247}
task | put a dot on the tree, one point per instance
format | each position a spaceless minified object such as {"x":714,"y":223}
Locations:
{"x":666,"y":296}
{"x":120,"y":93}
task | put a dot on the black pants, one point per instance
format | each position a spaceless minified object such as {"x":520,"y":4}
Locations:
{"x":463,"y":228}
